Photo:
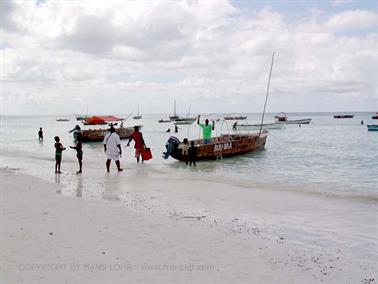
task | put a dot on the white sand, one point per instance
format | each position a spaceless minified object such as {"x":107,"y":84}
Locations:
{"x":277,"y":237}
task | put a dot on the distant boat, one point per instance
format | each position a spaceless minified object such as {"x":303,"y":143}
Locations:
{"x":375,"y":116}
{"x":80,"y":117}
{"x":62,"y":119}
{"x":184,"y":122}
{"x":282,"y":117}
{"x":372,"y":127}
{"x":174,"y":116}
{"x":138,"y":116}
{"x":235,"y":117}
{"x":343,"y":116}
{"x":164,"y":120}
{"x":246,"y":126}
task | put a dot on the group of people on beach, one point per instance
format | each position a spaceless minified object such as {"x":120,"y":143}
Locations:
{"x":113,"y":149}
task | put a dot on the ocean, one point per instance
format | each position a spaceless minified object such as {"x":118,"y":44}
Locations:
{"x":329,"y":156}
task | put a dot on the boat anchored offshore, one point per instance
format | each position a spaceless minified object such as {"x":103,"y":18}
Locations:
{"x":343,"y":116}
{"x":221,"y":146}
{"x":246,"y":126}
{"x":235,"y":117}
{"x":372,"y":127}
{"x":138,"y":116}
{"x":282,"y":117}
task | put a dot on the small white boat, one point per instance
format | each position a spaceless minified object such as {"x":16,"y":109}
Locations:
{"x":282,"y":117}
{"x":246,"y":126}
{"x":183,"y":122}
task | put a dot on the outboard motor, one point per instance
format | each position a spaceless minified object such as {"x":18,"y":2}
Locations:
{"x":171,"y":145}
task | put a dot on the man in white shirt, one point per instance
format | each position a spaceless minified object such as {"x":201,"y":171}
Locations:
{"x":112,"y":147}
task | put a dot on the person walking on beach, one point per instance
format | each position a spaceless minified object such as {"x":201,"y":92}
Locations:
{"x":58,"y":154}
{"x":192,"y":154}
{"x":176,"y":129}
{"x":206,"y":129}
{"x":40,"y":134}
{"x":79,"y":152}
{"x":112,"y":148}
{"x":139,"y":143}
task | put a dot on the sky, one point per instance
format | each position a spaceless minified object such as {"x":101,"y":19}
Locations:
{"x":213,"y":56}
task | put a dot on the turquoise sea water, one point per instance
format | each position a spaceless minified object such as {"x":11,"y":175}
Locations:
{"x":329,"y":156}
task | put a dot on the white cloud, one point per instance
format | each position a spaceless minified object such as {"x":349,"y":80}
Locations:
{"x":207,"y":52}
{"x":340,"y":2}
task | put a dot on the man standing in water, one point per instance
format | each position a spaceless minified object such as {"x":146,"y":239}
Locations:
{"x":112,"y":147}
{"x":206,"y":129}
{"x":40,"y":134}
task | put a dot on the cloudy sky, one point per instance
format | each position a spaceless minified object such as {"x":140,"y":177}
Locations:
{"x":62,"y":57}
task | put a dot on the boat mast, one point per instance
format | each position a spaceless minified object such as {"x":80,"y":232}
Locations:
{"x":267,"y":93}
{"x":174,"y":107}
{"x":138,"y":110}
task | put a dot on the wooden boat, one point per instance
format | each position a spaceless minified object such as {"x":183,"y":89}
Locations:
{"x":282,"y":117}
{"x":96,"y":135}
{"x":343,"y":116}
{"x":224,"y":145}
{"x":274,"y":125}
{"x":220,"y":147}
{"x":235,"y":117}
{"x":372,"y":127}
{"x":138,"y":116}
{"x":62,"y":119}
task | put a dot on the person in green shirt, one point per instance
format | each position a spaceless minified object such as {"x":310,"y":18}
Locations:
{"x":206,"y":129}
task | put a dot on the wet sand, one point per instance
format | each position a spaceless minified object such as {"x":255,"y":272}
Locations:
{"x":200,"y":237}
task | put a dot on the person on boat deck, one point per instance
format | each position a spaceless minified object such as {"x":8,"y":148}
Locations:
{"x":112,"y":147}
{"x":192,"y":154}
{"x":206,"y":129}
{"x":58,"y":154}
{"x":40,"y":134}
{"x":79,"y":152}
{"x":139,"y":143}
{"x":184,"y":146}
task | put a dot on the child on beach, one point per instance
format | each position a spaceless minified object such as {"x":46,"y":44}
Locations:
{"x":185,"y":149}
{"x":79,"y":152}
{"x":192,"y":154}
{"x":58,"y":154}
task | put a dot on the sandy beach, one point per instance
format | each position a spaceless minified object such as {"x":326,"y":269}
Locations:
{"x":291,"y":238}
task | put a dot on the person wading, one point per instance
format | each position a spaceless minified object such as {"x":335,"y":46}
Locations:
{"x":139,"y":143}
{"x":112,"y":147}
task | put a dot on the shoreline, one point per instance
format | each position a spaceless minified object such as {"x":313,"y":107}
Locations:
{"x":266,"y":241}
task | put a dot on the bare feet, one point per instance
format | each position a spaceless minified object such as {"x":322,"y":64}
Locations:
{"x":78,"y":172}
